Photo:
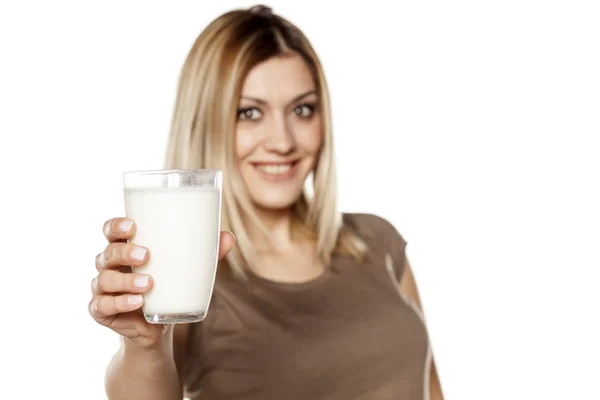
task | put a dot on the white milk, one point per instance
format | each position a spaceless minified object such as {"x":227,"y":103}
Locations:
{"x":180,"y":227}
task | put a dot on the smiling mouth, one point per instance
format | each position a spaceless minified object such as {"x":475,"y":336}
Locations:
{"x":277,"y":171}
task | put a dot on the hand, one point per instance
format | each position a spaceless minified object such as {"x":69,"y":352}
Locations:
{"x":117,"y":289}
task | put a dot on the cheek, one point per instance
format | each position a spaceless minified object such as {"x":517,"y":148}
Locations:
{"x":245,"y":142}
{"x":310,"y":137}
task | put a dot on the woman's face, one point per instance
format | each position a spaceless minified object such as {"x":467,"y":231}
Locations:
{"x":278,"y":132}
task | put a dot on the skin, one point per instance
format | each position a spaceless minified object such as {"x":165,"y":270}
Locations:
{"x":145,"y":366}
{"x":278,"y":123}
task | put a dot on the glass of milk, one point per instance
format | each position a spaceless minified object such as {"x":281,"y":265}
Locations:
{"x":178,"y":216}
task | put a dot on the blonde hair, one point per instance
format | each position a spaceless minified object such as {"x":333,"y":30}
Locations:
{"x":204,"y":120}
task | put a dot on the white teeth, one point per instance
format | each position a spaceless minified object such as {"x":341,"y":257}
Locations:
{"x":275,"y":169}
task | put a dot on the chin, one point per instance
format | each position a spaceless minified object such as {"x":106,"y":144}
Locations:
{"x":275,"y":200}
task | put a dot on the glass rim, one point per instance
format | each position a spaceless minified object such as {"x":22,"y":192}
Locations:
{"x":172,"y":171}
{"x":172,"y":178}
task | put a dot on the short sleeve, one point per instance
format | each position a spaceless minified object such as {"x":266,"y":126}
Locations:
{"x":382,"y":236}
{"x":397,"y":246}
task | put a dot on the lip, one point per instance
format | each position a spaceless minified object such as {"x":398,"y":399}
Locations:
{"x":279,"y":177}
{"x":278,"y":162}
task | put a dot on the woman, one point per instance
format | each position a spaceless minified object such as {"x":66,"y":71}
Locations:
{"x":308,"y":304}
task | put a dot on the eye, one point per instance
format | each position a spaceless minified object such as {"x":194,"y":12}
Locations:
{"x":251,"y":114}
{"x":304,"y":110}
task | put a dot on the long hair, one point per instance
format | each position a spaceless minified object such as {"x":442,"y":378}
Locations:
{"x":204,"y":119}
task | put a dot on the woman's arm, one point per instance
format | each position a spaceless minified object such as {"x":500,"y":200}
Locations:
{"x":136,"y":372}
{"x":408,"y":287}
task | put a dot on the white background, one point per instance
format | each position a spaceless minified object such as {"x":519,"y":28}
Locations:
{"x":472,"y":126}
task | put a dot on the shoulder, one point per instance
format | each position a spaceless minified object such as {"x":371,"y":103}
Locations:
{"x":372,"y":226}
{"x":382,"y":238}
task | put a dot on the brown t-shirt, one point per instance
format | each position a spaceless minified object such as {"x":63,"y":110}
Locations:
{"x":347,"y":335}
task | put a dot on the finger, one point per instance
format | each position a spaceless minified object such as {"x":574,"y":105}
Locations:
{"x":118,"y":229}
{"x":226,"y":243}
{"x":105,"y":307}
{"x":118,"y":254}
{"x":109,"y":281}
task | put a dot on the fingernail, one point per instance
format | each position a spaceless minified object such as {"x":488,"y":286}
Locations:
{"x":135,"y":299}
{"x":95,"y":305}
{"x":126,"y":225}
{"x":141,"y":281}
{"x":106,"y":228}
{"x":138,"y":253}
{"x":101,"y":260}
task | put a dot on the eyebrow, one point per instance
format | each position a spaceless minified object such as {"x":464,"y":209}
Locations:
{"x":295,"y":99}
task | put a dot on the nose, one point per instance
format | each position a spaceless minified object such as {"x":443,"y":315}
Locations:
{"x":279,"y":137}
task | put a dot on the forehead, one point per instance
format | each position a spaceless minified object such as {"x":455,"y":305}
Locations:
{"x":279,"y":79}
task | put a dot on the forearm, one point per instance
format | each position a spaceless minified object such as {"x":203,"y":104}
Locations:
{"x":140,"y":373}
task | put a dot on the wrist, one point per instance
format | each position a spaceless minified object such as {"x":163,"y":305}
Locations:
{"x":158,"y":350}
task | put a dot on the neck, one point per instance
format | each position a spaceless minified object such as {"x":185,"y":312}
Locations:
{"x":278,"y":224}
